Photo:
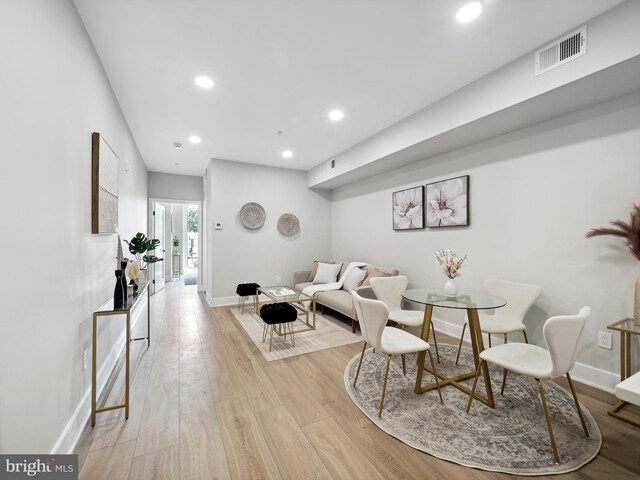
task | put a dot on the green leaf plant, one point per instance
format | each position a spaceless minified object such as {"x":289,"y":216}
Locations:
{"x":140,"y":245}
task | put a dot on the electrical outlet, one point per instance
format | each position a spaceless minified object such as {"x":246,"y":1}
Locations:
{"x":604,"y":340}
{"x":278,"y":279}
{"x":84,"y":359}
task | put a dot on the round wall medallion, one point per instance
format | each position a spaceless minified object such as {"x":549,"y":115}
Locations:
{"x":288,"y":225}
{"x":252,"y":215}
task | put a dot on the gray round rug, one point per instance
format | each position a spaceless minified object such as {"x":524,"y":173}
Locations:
{"x":510,"y":438}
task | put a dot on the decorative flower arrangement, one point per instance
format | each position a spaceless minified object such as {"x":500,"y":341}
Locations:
{"x":449,"y":262}
{"x":133,"y":270}
{"x":628,"y":231}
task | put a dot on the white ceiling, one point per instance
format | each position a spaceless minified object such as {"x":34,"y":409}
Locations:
{"x":282,"y":65}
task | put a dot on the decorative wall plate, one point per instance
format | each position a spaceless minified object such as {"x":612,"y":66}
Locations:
{"x":288,"y":225}
{"x":252,"y":215}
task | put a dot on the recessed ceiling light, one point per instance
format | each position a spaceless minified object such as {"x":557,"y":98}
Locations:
{"x":469,"y":12}
{"x":177,"y":164}
{"x":336,"y":115}
{"x":194,"y":139}
{"x":177,"y":145}
{"x":287,"y":154}
{"x":204,"y":82}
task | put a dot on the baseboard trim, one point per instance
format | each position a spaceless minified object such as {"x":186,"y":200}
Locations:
{"x":68,"y":439}
{"x":229,"y":301}
{"x":581,"y":372}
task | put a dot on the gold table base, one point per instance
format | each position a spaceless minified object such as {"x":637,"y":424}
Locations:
{"x":477,"y":345}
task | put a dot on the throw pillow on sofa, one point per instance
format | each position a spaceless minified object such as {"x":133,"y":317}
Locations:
{"x":314,"y":268}
{"x":327,"y":273}
{"x":353,"y":279}
{"x":374,"y":273}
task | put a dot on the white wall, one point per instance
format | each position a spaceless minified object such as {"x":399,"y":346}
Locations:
{"x":239,"y":255}
{"x":54,"y":94}
{"x":533,"y":195}
{"x":175,"y":187}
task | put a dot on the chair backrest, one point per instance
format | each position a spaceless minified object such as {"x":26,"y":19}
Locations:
{"x":519,"y":296}
{"x":372,"y":316}
{"x":562,"y":334}
{"x":389,"y":290}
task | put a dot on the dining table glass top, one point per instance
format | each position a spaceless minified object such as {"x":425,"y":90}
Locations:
{"x":465,"y":299}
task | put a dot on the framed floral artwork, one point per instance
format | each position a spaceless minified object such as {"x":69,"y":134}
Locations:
{"x":408,"y":208}
{"x":448,"y":203}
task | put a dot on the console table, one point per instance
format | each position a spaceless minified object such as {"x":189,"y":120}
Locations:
{"x":107,"y":310}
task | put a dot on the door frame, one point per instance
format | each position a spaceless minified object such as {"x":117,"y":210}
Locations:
{"x":201,"y":226}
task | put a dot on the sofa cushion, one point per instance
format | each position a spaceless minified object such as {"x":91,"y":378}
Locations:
{"x":314,"y":268}
{"x":338,"y":300}
{"x":327,"y":273}
{"x":374,"y":272}
{"x":353,"y":279}
{"x":301,"y":286}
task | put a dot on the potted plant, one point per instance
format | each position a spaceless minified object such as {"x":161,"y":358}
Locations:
{"x":139,"y":246}
{"x":176,"y":244}
{"x":630,"y":232}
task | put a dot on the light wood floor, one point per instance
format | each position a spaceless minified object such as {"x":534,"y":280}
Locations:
{"x":205,"y":404}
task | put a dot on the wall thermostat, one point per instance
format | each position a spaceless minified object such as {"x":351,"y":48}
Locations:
{"x":218,"y":226}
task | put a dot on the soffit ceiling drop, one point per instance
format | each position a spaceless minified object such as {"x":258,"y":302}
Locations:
{"x":284,"y":65}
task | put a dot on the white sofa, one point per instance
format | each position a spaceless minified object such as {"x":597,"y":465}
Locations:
{"x":340,"y":300}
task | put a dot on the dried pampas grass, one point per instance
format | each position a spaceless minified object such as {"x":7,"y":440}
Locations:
{"x":629,"y":231}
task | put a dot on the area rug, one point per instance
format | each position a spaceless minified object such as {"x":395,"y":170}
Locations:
{"x":510,"y":438}
{"x":329,"y":333}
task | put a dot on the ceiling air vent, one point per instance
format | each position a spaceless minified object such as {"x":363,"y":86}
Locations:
{"x":331,"y":164}
{"x":561,"y":51}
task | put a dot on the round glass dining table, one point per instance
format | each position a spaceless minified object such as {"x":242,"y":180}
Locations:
{"x":468,"y":300}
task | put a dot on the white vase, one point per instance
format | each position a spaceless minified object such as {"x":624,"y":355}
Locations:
{"x":451,"y":288}
{"x":636,"y":303}
{"x":143,"y":277}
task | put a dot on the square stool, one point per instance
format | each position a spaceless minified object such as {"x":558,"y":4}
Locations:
{"x":276,"y":313}
{"x":244,"y":291}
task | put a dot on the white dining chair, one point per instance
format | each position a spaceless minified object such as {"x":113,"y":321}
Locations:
{"x":562,"y":334}
{"x":520,"y":298}
{"x":389,"y":290}
{"x":373,"y":316}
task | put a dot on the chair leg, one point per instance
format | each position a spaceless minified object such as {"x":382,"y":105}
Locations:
{"x":435,"y":375}
{"x":293,"y":335}
{"x":505,"y":338}
{"x":435,"y":341}
{"x":546,"y":416}
{"x":364,"y":347}
{"x":404,"y":365}
{"x":575,"y":399}
{"x":504,"y":380}
{"x":475,"y":382}
{"x":264,"y":332}
{"x":460,"y":344}
{"x":384,"y":386}
{"x":489,"y":335}
{"x":526,"y":340}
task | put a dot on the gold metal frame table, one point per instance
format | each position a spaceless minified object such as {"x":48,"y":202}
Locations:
{"x":626,"y":328}
{"x":297,"y":299}
{"x":107,"y":310}
{"x":470,"y":301}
